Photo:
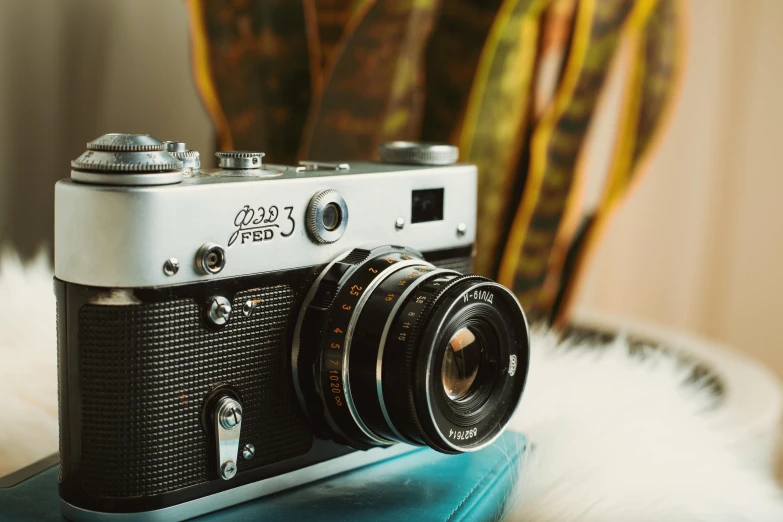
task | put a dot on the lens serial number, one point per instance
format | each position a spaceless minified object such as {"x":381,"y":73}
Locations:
{"x":463,"y":434}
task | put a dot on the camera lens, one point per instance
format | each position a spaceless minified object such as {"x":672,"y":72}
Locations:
{"x":391,"y":349}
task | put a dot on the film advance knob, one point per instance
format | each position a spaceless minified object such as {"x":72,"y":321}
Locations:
{"x":418,"y":153}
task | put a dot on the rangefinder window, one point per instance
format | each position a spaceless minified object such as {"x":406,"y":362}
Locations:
{"x":427,"y":205}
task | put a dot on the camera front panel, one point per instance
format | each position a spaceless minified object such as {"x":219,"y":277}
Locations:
{"x":136,"y":368}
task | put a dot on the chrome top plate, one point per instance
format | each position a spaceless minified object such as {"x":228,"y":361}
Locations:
{"x":121,"y":236}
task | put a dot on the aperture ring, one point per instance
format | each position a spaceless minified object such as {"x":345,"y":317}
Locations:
{"x":376,"y":280}
{"x":401,"y":344}
{"x":333,"y":307}
{"x":400,"y":300}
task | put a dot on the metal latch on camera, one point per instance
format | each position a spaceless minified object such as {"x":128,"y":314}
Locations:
{"x":321,"y":165}
{"x":227,"y":425}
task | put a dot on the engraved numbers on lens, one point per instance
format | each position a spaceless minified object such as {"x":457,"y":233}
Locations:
{"x":334,"y":375}
{"x":334,"y":356}
{"x":463,"y":434}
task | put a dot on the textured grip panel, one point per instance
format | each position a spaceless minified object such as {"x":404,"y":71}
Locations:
{"x":60,"y":448}
{"x":145,"y":370}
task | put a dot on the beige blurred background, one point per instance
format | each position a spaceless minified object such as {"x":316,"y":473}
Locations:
{"x":696,"y":246}
{"x":71,"y":70}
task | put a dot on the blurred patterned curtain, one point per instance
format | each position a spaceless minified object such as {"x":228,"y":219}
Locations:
{"x":514,"y":83}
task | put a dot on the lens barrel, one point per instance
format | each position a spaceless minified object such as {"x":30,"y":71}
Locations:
{"x":391,"y":349}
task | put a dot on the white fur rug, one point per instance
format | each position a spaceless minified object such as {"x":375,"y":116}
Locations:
{"x":619,"y":438}
{"x":614,"y":438}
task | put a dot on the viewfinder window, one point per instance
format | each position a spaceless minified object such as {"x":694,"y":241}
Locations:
{"x":427,"y":205}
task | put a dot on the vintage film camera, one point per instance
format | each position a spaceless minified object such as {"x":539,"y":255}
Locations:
{"x":227,"y":333}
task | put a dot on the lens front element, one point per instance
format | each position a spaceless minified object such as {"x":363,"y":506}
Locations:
{"x":461,"y":361}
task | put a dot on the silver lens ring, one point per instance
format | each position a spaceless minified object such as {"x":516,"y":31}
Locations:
{"x":330,"y":336}
{"x":382,"y":345}
{"x":295,"y":345}
{"x":349,"y":335}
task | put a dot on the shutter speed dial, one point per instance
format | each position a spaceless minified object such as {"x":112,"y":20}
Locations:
{"x":126,"y":159}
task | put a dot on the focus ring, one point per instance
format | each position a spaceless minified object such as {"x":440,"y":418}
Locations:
{"x":324,"y":338}
{"x":366,"y":294}
{"x":372,"y":334}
